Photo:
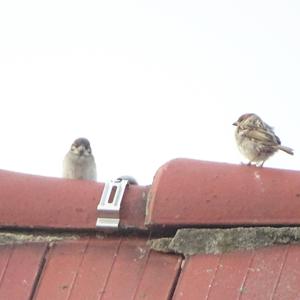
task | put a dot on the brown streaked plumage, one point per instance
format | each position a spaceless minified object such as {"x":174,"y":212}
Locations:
{"x":256,"y":139}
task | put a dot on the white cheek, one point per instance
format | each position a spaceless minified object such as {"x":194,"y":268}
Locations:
{"x":75,"y":151}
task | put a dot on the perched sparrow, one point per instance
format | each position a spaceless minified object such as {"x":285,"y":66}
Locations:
{"x":79,"y":162}
{"x":131,"y":180}
{"x":256,"y":140}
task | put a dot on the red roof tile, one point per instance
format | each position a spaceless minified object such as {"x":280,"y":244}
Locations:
{"x":267,"y":273}
{"x":35,"y":201}
{"x":189,"y":192}
{"x":108,"y":268}
{"x":19,"y":269}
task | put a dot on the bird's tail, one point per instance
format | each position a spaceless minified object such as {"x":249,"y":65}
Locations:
{"x":286,"y":149}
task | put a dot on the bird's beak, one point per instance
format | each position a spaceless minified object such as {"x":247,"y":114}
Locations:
{"x":235,"y":124}
{"x":80,"y":149}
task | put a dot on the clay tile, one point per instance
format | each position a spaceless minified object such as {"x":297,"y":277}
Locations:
{"x":191,"y":192}
{"x":43,"y":202}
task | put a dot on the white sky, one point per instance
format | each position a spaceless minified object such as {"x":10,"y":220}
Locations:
{"x":144,"y":81}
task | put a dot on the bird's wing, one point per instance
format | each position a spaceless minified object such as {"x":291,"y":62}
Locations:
{"x":261,"y":135}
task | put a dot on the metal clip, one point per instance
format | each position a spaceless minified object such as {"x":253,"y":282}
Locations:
{"x":110,"y":210}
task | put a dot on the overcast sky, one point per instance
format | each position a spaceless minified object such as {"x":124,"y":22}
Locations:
{"x":144,"y":81}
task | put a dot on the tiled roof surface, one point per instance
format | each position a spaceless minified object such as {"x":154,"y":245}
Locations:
{"x":266,"y":273}
{"x":19,"y":267}
{"x":88,"y":265}
{"x":110,"y":268}
{"x":87,"y":268}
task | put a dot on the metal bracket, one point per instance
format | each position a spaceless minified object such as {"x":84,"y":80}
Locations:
{"x":110,"y":210}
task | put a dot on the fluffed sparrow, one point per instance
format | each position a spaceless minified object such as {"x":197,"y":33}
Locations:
{"x":256,"y":140}
{"x":79,"y":162}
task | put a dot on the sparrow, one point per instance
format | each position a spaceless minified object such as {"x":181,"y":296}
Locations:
{"x":256,"y":139}
{"x":131,"y":180}
{"x":79,"y":162}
